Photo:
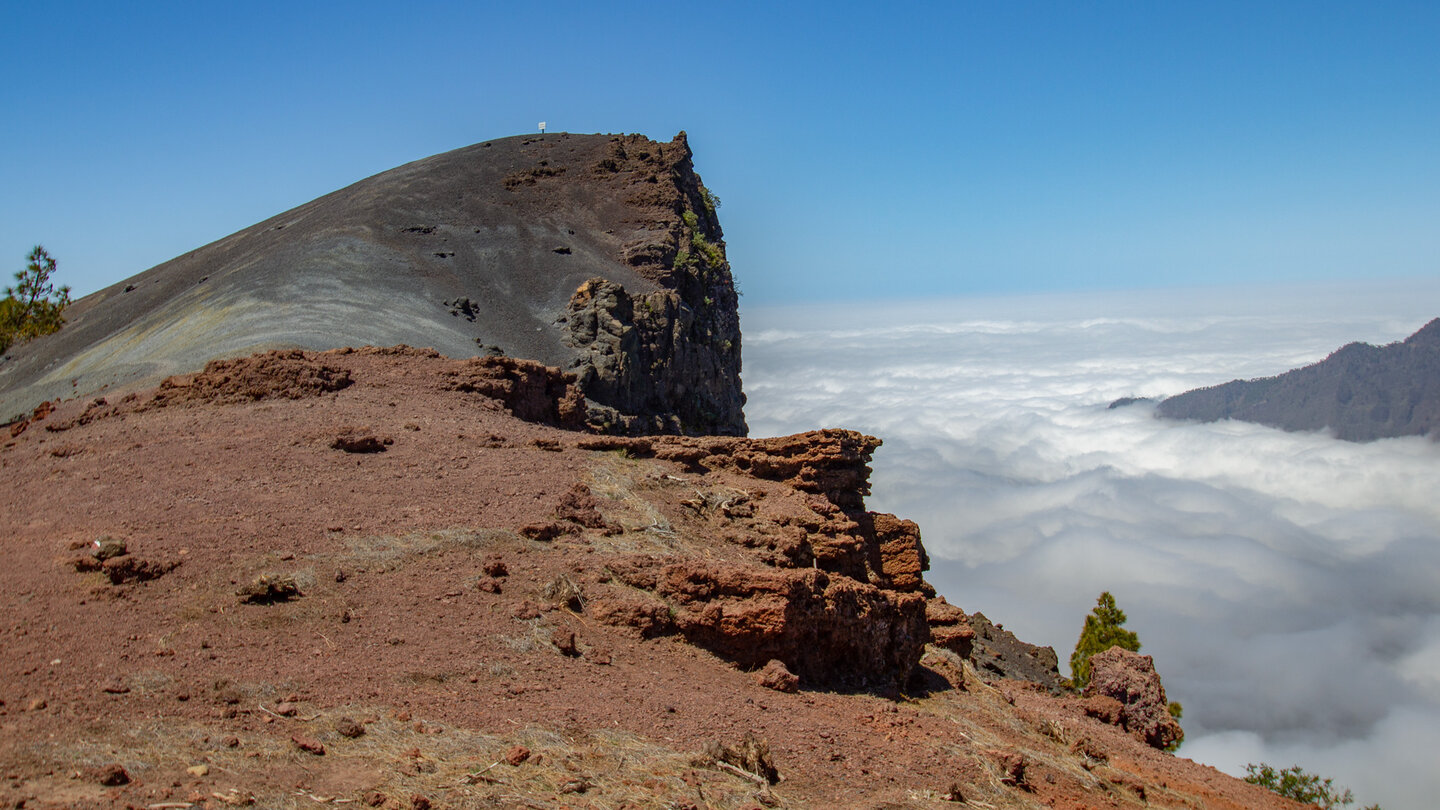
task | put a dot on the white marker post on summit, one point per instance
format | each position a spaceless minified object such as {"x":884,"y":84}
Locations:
{"x":542,"y":127}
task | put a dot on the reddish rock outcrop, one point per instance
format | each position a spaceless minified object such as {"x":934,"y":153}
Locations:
{"x":403,"y":556}
{"x":774,"y":675}
{"x":835,"y":593}
{"x":1130,"y":679}
{"x":288,"y":374}
{"x":949,"y":627}
{"x":41,"y":411}
{"x":529,"y":390}
{"x":900,"y":556}
{"x":834,"y":465}
{"x":645,"y":614}
{"x":833,"y":462}
{"x":826,"y":629}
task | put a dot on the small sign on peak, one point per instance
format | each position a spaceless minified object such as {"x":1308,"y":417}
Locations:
{"x":542,"y":127}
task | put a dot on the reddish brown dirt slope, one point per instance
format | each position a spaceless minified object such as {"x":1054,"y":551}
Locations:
{"x":359,"y":578}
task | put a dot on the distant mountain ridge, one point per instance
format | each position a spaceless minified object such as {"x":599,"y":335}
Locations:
{"x":1360,"y":392}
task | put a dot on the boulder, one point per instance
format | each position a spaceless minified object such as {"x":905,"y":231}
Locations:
{"x":1130,"y":679}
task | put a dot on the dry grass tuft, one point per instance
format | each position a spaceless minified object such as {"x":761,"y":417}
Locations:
{"x":381,"y":553}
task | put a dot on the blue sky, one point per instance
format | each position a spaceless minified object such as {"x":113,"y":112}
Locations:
{"x":897,"y":150}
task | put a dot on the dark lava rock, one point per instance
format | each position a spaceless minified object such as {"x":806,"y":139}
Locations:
{"x":997,"y":653}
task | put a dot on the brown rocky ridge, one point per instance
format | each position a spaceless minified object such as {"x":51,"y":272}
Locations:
{"x":498,"y":608}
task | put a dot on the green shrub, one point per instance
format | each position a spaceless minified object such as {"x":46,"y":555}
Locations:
{"x":709,"y":252}
{"x":1176,"y":711}
{"x":712,"y":203}
{"x":1296,"y":783}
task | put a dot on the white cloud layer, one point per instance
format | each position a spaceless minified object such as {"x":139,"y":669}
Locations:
{"x":1288,"y":585}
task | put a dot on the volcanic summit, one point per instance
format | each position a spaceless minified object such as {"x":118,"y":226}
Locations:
{"x":598,"y":254}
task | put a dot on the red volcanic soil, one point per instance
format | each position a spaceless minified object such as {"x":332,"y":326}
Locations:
{"x":359,"y":578}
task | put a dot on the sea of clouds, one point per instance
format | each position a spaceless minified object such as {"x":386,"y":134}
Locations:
{"x":1287,"y":584}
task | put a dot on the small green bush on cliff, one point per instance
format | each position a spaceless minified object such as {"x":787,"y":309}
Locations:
{"x":709,"y":252}
{"x":33,"y":307}
{"x":1296,"y":783}
{"x":712,"y":203}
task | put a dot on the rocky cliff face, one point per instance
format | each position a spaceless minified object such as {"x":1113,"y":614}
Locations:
{"x":832,"y":591}
{"x":1360,"y":392}
{"x":666,"y":361}
{"x":600,"y":255}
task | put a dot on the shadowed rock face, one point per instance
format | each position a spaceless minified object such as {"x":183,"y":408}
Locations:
{"x":1361,"y":392}
{"x":597,"y":254}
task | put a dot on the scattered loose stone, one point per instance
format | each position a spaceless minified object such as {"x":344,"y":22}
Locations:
{"x":112,"y":775}
{"x":115,"y":686}
{"x":360,"y":441}
{"x":517,"y":755}
{"x":347,"y":727}
{"x":107,"y":547}
{"x":775,"y":675}
{"x":308,"y":745}
{"x":564,"y":641}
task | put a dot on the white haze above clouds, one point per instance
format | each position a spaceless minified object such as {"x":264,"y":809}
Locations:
{"x":1288,"y":585}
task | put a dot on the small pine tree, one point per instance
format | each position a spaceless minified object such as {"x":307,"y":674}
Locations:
{"x":33,"y":306}
{"x":1102,"y":631}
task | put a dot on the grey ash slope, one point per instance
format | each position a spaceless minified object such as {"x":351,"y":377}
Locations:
{"x":470,"y":251}
{"x":1361,"y":392}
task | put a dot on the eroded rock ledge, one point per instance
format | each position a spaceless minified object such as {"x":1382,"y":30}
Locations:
{"x":829,"y":589}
